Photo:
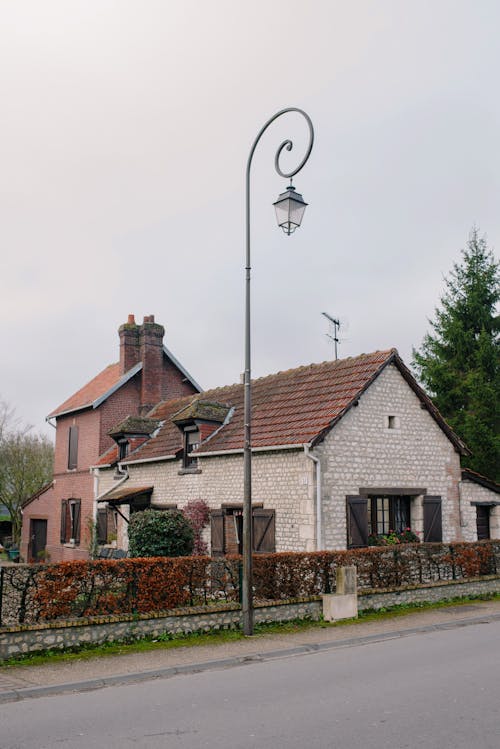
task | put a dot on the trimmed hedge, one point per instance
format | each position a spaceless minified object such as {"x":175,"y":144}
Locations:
{"x":66,"y":590}
{"x":153,"y":533}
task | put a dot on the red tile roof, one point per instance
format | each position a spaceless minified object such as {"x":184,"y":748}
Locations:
{"x":90,"y":392}
{"x":294,"y":407}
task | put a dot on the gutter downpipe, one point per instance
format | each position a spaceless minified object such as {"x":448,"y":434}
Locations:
{"x":108,"y":491}
{"x":319,"y":529}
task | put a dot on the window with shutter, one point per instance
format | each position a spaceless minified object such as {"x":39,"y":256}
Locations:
{"x":357,"y":522}
{"x":70,"y":520}
{"x":433,"y":530}
{"x":73,"y":448}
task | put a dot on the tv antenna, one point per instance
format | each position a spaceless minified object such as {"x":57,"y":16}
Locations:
{"x":333,"y":332}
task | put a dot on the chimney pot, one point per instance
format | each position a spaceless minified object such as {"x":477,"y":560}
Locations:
{"x":131,"y":320}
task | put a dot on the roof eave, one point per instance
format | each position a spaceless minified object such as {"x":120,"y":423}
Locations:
{"x":477,"y":478}
{"x":458,"y":443}
{"x":395,"y":359}
{"x":321,"y":435}
{"x":97,"y":402}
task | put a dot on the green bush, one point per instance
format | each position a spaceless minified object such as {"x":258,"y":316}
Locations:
{"x":156,"y":533}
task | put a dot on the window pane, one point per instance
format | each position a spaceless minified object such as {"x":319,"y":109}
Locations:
{"x":401,"y":513}
{"x":382,"y":515}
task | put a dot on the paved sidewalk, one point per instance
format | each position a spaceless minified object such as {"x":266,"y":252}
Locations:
{"x":24,"y":681}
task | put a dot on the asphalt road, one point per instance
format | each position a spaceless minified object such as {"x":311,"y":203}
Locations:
{"x":436,"y":689}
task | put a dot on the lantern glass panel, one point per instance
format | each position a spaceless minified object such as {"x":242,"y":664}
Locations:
{"x":282,"y":211}
{"x":296,"y":212}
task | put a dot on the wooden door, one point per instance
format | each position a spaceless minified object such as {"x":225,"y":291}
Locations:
{"x":483,"y":522}
{"x":38,"y":540}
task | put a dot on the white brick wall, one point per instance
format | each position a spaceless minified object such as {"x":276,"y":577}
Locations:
{"x":472,"y":492}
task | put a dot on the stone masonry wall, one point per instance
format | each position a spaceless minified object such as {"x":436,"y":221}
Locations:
{"x":281,"y":480}
{"x":362,"y":451}
{"x":28,"y":639}
{"x":472,"y":492}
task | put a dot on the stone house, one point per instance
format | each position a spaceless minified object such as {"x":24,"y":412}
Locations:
{"x":341,"y":450}
{"x":57,"y":521}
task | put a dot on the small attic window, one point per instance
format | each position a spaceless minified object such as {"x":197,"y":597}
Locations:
{"x":191,"y":442}
{"x":123,"y":447}
{"x":393,"y":422}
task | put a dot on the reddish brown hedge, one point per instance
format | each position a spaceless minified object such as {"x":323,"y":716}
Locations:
{"x":79,"y":589}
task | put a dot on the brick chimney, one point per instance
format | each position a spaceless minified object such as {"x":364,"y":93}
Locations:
{"x":129,"y":344}
{"x":151,"y":354}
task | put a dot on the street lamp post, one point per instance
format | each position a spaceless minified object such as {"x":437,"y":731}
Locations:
{"x":290,"y":209}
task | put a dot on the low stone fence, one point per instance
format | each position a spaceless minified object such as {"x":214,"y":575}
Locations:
{"x":33,"y":594}
{"x":23,"y":639}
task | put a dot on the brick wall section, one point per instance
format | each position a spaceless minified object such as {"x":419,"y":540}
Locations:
{"x":93,"y":440}
{"x":361,"y":451}
{"x":174,"y":384}
{"x":40,"y":510}
{"x":77,"y":483}
{"x":125,"y":402}
{"x":472,"y":492}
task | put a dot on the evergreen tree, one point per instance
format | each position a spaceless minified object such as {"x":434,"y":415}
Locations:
{"x":459,"y":361}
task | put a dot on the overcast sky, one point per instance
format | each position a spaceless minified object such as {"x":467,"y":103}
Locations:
{"x":124,"y":132}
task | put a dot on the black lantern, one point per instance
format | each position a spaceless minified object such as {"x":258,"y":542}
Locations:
{"x":290,"y":208}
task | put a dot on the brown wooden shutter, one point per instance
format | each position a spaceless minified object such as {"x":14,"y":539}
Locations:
{"x":264,"y":531}
{"x":217,"y":532}
{"x":357,"y":522}
{"x":73,"y":448}
{"x":64,"y":517}
{"x":102,"y":526}
{"x":77,"y":523}
{"x":433,"y":528}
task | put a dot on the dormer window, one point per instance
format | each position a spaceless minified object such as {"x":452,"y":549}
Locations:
{"x":191,"y":442}
{"x":123,"y":446}
{"x":197,"y":422}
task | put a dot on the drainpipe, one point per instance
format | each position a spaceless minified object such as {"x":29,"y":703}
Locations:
{"x":319,"y":530}
{"x":118,"y":483}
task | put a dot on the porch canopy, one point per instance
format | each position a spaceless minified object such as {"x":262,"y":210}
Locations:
{"x":137,"y":497}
